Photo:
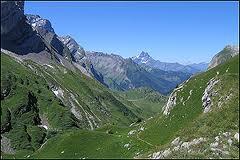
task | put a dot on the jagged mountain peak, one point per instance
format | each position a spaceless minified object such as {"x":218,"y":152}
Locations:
{"x":76,"y":50}
{"x":38,"y":22}
{"x":143,"y":57}
{"x":67,"y":39}
{"x":146,"y":59}
{"x":143,"y":54}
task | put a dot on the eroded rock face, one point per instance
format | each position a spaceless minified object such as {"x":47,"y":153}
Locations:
{"x":44,"y":28}
{"x":11,"y":13}
{"x":76,"y":50}
{"x":206,"y":99}
{"x":227,"y":53}
{"x":172,"y":100}
{"x":16,"y":35}
{"x":170,"y":103}
{"x":39,"y":23}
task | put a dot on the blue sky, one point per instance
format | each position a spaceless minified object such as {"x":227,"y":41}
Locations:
{"x":169,"y":31}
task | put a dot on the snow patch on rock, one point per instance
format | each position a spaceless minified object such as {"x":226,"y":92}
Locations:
{"x":141,"y":129}
{"x":126,"y":145}
{"x":132,"y":132}
{"x":44,"y":122}
{"x":49,"y":66}
{"x":161,"y":154}
{"x":227,"y":70}
{"x":59,"y":93}
{"x":44,"y":126}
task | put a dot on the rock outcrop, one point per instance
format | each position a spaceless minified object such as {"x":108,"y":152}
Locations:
{"x":44,"y":28}
{"x":227,"y":53}
{"x":172,"y":100}
{"x":11,"y":13}
{"x":77,"y":52}
{"x":206,"y":99}
{"x":16,"y":35}
{"x":39,"y":23}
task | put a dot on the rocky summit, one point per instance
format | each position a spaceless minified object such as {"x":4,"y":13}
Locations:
{"x":221,"y":57}
{"x":145,"y":59}
{"x":76,"y":50}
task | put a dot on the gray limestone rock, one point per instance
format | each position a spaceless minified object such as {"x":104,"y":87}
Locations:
{"x":16,"y":35}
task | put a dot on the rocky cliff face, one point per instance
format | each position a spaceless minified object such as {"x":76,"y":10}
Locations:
{"x":39,"y":23}
{"x":16,"y":34}
{"x":76,"y":50}
{"x":225,"y":54}
{"x":11,"y":13}
{"x":64,"y":46}
{"x":44,"y":28}
{"x":79,"y":57}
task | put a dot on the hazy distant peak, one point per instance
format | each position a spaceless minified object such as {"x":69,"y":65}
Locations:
{"x":146,"y":59}
{"x":143,"y":57}
{"x":143,"y":54}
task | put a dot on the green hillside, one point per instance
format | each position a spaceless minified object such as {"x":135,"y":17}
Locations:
{"x":115,"y":138}
{"x":28,"y":103}
{"x":150,"y":101}
{"x":189,"y":122}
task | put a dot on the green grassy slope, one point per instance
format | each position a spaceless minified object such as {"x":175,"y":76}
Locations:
{"x":150,"y":101}
{"x":27,"y":100}
{"x":108,"y":141}
{"x":186,"y":120}
{"x":189,"y":121}
{"x":26,"y":97}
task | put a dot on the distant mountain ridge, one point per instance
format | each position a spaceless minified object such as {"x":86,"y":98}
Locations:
{"x":125,"y":74}
{"x":145,"y":58}
{"x":52,"y":107}
{"x":111,"y":70}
